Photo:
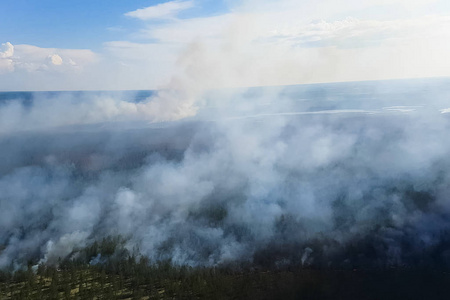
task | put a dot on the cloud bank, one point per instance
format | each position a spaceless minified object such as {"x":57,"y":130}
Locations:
{"x":288,"y":42}
{"x":28,"y":58}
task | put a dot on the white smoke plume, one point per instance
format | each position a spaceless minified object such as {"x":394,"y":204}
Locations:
{"x":338,"y":174}
{"x":278,"y":171}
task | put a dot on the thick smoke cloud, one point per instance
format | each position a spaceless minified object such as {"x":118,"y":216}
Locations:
{"x":336,"y":175}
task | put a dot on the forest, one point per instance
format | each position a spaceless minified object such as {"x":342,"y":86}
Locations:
{"x":105,"y":270}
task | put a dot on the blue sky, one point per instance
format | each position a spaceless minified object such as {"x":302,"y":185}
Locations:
{"x":60,"y":45}
{"x":79,"y":23}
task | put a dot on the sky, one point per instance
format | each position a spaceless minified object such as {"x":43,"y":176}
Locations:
{"x":122,"y":45}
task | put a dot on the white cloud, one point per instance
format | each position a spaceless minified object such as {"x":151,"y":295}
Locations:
{"x":7,"y":50}
{"x":352,"y":32}
{"x":278,"y":47}
{"x":254,"y":43}
{"x":25,"y":67}
{"x":326,"y":8}
{"x":55,"y":59}
{"x":32,"y":58}
{"x":167,"y":10}
{"x":6,"y":65}
{"x":125,"y":50}
{"x":279,"y":44}
{"x":6,"y":53}
{"x":187,"y":30}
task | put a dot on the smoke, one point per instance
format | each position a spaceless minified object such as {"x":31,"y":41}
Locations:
{"x":336,"y":175}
